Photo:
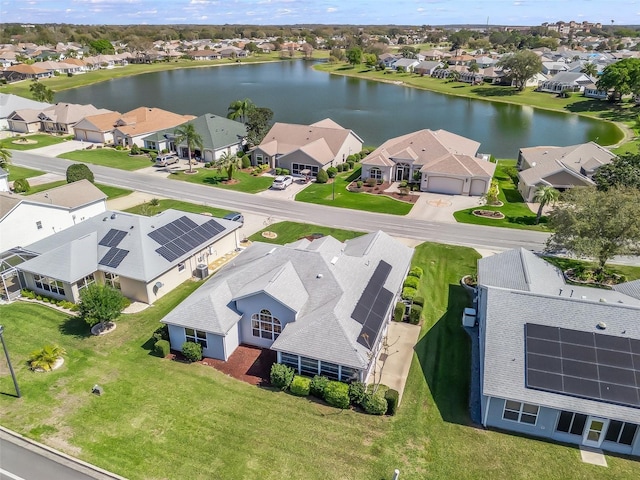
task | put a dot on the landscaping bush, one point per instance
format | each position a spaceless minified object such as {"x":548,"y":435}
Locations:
{"x":208,"y":165}
{"x":21,"y":185}
{"x":285,"y":171}
{"x":246,"y":161}
{"x":192,"y":351}
{"x":161,"y":348}
{"x":165,"y":150}
{"x":418,"y":300}
{"x":411,"y":282}
{"x":398,"y":312}
{"x":357,"y":391}
{"x":161,"y":333}
{"x":281,"y":376}
{"x":359,"y":183}
{"x":28,"y":294}
{"x":322,"y":176}
{"x":300,"y":386}
{"x":375,"y":404}
{"x":153,"y":156}
{"x":370,"y":182}
{"x":340,"y":167}
{"x":336,"y":394}
{"x":135,"y":149}
{"x":332,"y":172}
{"x":350,"y":165}
{"x":278,"y":171}
{"x":392,"y":397}
{"x":408,"y":293}
{"x":318,"y":385}
{"x":416,"y":272}
{"x":79,"y":171}
{"x":351,"y":158}
{"x":415,"y":313}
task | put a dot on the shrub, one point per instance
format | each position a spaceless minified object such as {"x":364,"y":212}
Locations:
{"x":418,"y":300}
{"x":246,"y":161}
{"x":28,"y":294}
{"x":370,"y":182}
{"x":135,"y":149}
{"x":192,"y":351}
{"x":162,"y":348}
{"x":79,"y":171}
{"x":165,"y":150}
{"x":357,"y":391}
{"x":411,"y":282}
{"x":408,"y":293}
{"x":281,"y":376}
{"x":340,"y":167}
{"x":392,"y":397}
{"x":351,"y":158}
{"x":350,"y":165}
{"x":359,"y":183}
{"x":332,"y":172}
{"x":322,"y":176}
{"x":285,"y":171}
{"x":278,"y":171}
{"x":375,"y":404}
{"x":300,"y":386}
{"x":46,"y":357}
{"x":415,"y":313}
{"x":398,"y":312}
{"x":416,"y":272}
{"x":161,"y":333}
{"x":208,"y":165}
{"x":336,"y":394}
{"x":21,"y":185}
{"x":318,"y":385}
{"x":153,"y":156}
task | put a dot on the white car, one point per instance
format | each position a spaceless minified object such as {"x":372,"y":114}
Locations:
{"x":166,"y":159}
{"x":281,"y":182}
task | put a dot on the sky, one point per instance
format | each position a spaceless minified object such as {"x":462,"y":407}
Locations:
{"x":288,"y":12}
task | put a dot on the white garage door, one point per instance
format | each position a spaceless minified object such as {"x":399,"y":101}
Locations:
{"x":451,"y":186}
{"x":478,"y":187}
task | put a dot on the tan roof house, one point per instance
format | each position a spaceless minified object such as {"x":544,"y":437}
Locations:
{"x":560,"y":167}
{"x":442,"y":161}
{"x":58,"y":118}
{"x":28,"y":71}
{"x":133,"y":126}
{"x":306,"y":147}
{"x":97,"y":128}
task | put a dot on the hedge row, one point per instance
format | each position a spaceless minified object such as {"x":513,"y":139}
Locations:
{"x":55,"y":301}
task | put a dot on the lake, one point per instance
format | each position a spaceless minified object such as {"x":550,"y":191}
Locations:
{"x":375,"y":111}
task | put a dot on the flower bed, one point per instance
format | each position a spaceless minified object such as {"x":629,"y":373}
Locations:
{"x":489,"y":214}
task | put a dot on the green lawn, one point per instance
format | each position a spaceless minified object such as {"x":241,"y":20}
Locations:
{"x":45,"y":186}
{"x":291,"y":231}
{"x":109,"y":157}
{"x":108,"y":190}
{"x":245,"y":182}
{"x":164,"y":419}
{"x":629,"y":271}
{"x":41,"y":139}
{"x":147,"y":209}
{"x":16,"y":172}
{"x":324,"y":193}
{"x":517,"y":213}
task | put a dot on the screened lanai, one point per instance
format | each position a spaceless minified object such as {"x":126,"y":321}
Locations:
{"x":10,"y":279}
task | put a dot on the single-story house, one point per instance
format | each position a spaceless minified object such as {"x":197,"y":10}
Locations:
{"x":558,"y":361}
{"x":9,"y":103}
{"x":219,"y":135}
{"x":559,"y":167}
{"x":443,"y":162}
{"x":97,"y":128}
{"x":204,"y":55}
{"x":592,"y":91}
{"x":133,"y":126}
{"x":566,"y":81}
{"x":144,"y":257}
{"x":26,"y":219}
{"x":58,"y":118}
{"x":388,"y":59}
{"x":405,"y":64}
{"x":533,"y":81}
{"x":22,"y":71}
{"x":322,"y":305}
{"x":427,"y":67}
{"x":553,"y":68}
{"x":306,"y":147}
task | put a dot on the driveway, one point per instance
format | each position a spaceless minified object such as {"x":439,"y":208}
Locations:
{"x":288,"y":194}
{"x":60,"y":148}
{"x":438,"y":207}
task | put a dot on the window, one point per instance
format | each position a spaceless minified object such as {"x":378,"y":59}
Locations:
{"x":86,"y":281}
{"x":520,"y":412}
{"x":181,"y":267}
{"x":621,"y":432}
{"x":49,"y":285}
{"x":375,"y":173}
{"x":112,"y":280}
{"x":264,"y":325}
{"x":260,"y":160}
{"x":290,"y":360}
{"x":196,"y":336}
{"x":39,"y":225}
{"x":349,"y":374}
{"x":329,"y":370}
{"x":308,"y":366}
{"x":572,"y":423}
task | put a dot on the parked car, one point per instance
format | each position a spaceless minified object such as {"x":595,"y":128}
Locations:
{"x":281,"y":182}
{"x":234,"y":216}
{"x":166,"y":159}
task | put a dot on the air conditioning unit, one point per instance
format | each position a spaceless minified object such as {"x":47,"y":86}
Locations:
{"x":202,"y":271}
{"x":469,"y":317}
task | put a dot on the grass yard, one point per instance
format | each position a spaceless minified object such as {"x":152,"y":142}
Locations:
{"x":45,"y":186}
{"x":41,"y":139}
{"x":108,"y":190}
{"x":210,"y":176}
{"x":629,"y":271}
{"x":148,"y":209}
{"x":164,"y":419}
{"x":16,"y":172}
{"x":109,"y":157}
{"x":323,"y":193}
{"x":291,"y":231}
{"x":517,"y":213}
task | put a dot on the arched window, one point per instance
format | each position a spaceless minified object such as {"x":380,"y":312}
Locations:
{"x":265,"y":325}
{"x":375,"y":173}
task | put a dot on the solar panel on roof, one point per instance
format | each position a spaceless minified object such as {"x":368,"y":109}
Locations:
{"x":107,"y":257}
{"x":167,"y":254}
{"x":107,"y":238}
{"x":112,"y":238}
{"x":114,"y":257}
{"x":188,"y":222}
{"x":373,"y":305}
{"x":583,"y":364}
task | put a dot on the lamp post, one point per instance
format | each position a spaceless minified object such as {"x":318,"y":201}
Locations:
{"x":6,"y":353}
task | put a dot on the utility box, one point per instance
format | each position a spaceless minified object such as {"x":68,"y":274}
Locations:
{"x":469,"y":317}
{"x":202,"y":271}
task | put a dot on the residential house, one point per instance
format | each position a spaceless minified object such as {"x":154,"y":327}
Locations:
{"x":322,"y":305}
{"x":204,"y":55}
{"x":427,"y":67}
{"x":405,"y":64}
{"x":9,"y":103}
{"x":143,"y":257}
{"x":443,"y":162}
{"x":388,"y":59}
{"x":220,"y":136}
{"x":553,"y":68}
{"x":26,"y":219}
{"x":558,"y":361}
{"x":533,"y":81}
{"x":312,"y":147}
{"x":592,"y":91}
{"x":97,"y":128}
{"x":559,"y":167}
{"x":23,"y":71}
{"x":133,"y":126}
{"x":566,"y":81}
{"x":62,"y":68}
{"x":62,"y":117}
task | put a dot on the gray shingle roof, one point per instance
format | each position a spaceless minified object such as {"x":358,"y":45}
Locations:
{"x":629,"y":288}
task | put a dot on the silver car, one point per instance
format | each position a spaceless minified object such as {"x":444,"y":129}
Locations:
{"x":281,"y":182}
{"x":166,"y":159}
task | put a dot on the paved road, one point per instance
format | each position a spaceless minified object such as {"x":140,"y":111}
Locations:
{"x":454,"y":234}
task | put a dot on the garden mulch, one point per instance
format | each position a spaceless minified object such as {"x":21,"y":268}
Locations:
{"x":249,"y":364}
{"x":380,"y":189}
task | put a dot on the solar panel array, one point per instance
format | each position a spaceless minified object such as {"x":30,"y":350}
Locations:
{"x":372,"y":305}
{"x":583,"y":364}
{"x":113,"y":257}
{"x":183,"y":235}
{"x":112,"y":238}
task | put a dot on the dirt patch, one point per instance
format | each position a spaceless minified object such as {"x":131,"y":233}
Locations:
{"x":24,"y":141}
{"x":269,"y":234}
{"x":249,"y":364}
{"x":489,"y":214}
{"x":60,"y":441}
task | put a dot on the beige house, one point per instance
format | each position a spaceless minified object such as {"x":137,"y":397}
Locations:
{"x":59,"y":118}
{"x":559,"y":167}
{"x":97,"y":128}
{"x":441,"y":161}
{"x":306,"y":147}
{"x":133,"y":126}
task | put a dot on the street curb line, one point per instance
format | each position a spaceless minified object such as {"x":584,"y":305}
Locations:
{"x":63,"y":455}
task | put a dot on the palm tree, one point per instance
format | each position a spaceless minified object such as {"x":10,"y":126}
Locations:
{"x":240,"y":109}
{"x":188,"y":134}
{"x":228,"y":163}
{"x":454,"y":76}
{"x":590,"y":69}
{"x":474,"y":67}
{"x":46,"y":357}
{"x":5,"y":157}
{"x":545,"y":194}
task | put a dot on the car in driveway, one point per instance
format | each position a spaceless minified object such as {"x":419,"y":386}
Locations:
{"x":235,"y":217}
{"x":166,"y":159}
{"x":281,"y":182}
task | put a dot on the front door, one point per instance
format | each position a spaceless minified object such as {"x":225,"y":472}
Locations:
{"x":594,"y":432}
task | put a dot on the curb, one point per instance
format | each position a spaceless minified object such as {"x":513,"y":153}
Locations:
{"x":69,"y":461}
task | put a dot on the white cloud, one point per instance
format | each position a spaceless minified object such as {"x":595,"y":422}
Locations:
{"x":332,"y":9}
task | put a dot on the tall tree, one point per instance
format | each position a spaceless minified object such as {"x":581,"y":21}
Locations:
{"x":41,"y":93}
{"x":545,"y":195}
{"x":623,"y":171}
{"x":592,"y":223}
{"x":5,"y":157}
{"x":354,"y":55}
{"x":239,"y":109}
{"x":258,"y":124}
{"x":474,"y":68}
{"x":622,"y":77}
{"x":590,"y":69}
{"x":187,"y":133}
{"x":521,"y":66}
